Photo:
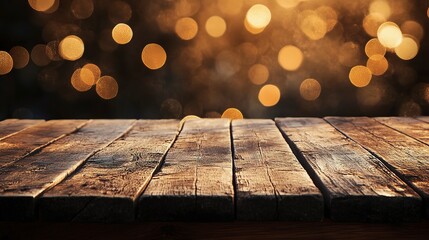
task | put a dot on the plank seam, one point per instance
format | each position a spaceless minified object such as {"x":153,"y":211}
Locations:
{"x":234,"y":177}
{"x":397,"y":130}
{"x":11,"y":134}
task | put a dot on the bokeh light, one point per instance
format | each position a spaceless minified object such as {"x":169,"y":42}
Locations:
{"x":290,"y":57}
{"x":215,"y":26}
{"x":38,"y":55}
{"x":232,"y":113}
{"x":82,"y":9}
{"x":6,"y":63}
{"x":313,"y":26}
{"x":186,"y":28}
{"x":107,"y":87}
{"x":389,"y":35}
{"x":413,"y":28}
{"x":41,"y":5}
{"x":372,"y":22}
{"x":360,"y":76}
{"x":288,"y":3}
{"x":122,"y":33}
{"x":71,"y":48}
{"x":230,"y":7}
{"x":377,"y":64}
{"x":20,"y":57}
{"x":310,"y":89}
{"x":269,"y":95}
{"x":374,"y":47}
{"x":258,"y":74}
{"x":77,"y":81}
{"x":90,"y":79}
{"x":153,"y":56}
{"x":381,"y":7}
{"x":258,"y":16}
{"x":408,"y":48}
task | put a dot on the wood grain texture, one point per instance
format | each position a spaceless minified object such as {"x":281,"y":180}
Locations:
{"x":27,"y":178}
{"x":107,"y":185}
{"x":406,"y":156}
{"x":409,"y":126}
{"x":270,"y":182}
{"x":9,"y":127}
{"x":357,"y":186}
{"x":34,"y":138}
{"x":196,"y":180}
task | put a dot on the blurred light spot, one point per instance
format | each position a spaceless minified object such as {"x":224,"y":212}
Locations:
{"x":313,"y":26}
{"x":251,"y":29}
{"x":372,"y":22}
{"x":41,"y":5}
{"x":408,"y":48}
{"x":107,"y":87}
{"x":20,"y":57}
{"x":258,"y":16}
{"x":227,"y":63}
{"x":54,"y":7}
{"x":38,"y":55}
{"x":6,"y":63}
{"x":186,"y":28}
{"x":95,"y":71}
{"x":232,"y":113}
{"x":288,"y":3}
{"x":52,"y":51}
{"x":82,"y":9}
{"x":122,"y":33}
{"x":78,"y":83}
{"x":186,"y":8}
{"x":119,"y":11}
{"x":377,"y":64}
{"x":360,"y":76}
{"x":310,"y":89}
{"x":413,"y":28}
{"x":87,"y":76}
{"x":329,"y":15}
{"x":171,"y":108}
{"x":381,"y":7}
{"x":153,"y":56}
{"x":230,"y":7}
{"x":290,"y":58}
{"x":409,"y":109}
{"x":269,"y":95}
{"x":71,"y":48}
{"x":389,"y":35}
{"x":258,"y":74}
{"x":187,"y":118}
{"x":374,"y":47}
{"x":215,"y":26}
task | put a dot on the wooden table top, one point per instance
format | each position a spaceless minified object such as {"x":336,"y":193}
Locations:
{"x":355,"y":169}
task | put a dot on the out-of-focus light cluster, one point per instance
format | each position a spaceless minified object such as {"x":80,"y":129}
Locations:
{"x":202,"y":56}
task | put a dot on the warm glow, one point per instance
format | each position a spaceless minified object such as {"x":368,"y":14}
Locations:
{"x":82,"y":9}
{"x":232,"y":113}
{"x":313,"y":26}
{"x":92,"y":78}
{"x":389,"y":35}
{"x":413,"y":28}
{"x":269,"y":95}
{"x":252,"y":29}
{"x":41,"y":5}
{"x":230,"y":7}
{"x":349,"y":54}
{"x":186,"y":118}
{"x":122,"y":33}
{"x":310,"y":89}
{"x":186,"y":28}
{"x":360,"y":76}
{"x":288,"y":3}
{"x":372,"y":22}
{"x":78,"y":83}
{"x":290,"y":58}
{"x":71,"y":48}
{"x":329,"y":15}
{"x":153,"y":56}
{"x":20,"y":57}
{"x":215,"y":26}
{"x":6,"y":63}
{"x":107,"y":87}
{"x":374,"y":47}
{"x":39,"y":56}
{"x":377,"y":64}
{"x":408,"y":49}
{"x":381,"y":7}
{"x":258,"y":16}
{"x":258,"y":74}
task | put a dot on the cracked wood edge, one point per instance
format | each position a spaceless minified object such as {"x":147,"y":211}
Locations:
{"x":196,"y":179}
{"x":10,"y":127}
{"x":357,"y":186}
{"x":105,"y":188}
{"x":271,"y":184}
{"x":34,"y":138}
{"x":404,"y":155}
{"x":22,"y":182}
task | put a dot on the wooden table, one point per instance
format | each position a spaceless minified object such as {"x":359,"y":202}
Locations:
{"x":334,"y":169}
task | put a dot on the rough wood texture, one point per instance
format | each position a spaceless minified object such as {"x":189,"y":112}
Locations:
{"x":12,"y":126}
{"x":34,"y":138}
{"x":357,"y":186}
{"x":271,"y":183}
{"x":404,"y":155}
{"x":107,"y":185}
{"x":409,"y":126}
{"x":27,"y":178}
{"x":195,"y":181}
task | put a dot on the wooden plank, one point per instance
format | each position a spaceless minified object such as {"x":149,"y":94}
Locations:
{"x":22,"y":182}
{"x":196,"y":179}
{"x":9,"y":127}
{"x":408,"y":126}
{"x":270,"y":182}
{"x":357,"y":186}
{"x":406,"y":156}
{"x":107,"y":185}
{"x":34,"y":138}
{"x":424,"y":118}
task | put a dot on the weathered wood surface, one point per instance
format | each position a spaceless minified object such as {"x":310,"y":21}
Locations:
{"x":27,"y":178}
{"x":12,"y":126}
{"x":34,"y":138}
{"x":357,"y":186}
{"x":196,"y":179}
{"x":105,"y":188}
{"x":404,"y":155}
{"x":409,"y":126}
{"x":271,"y":183}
